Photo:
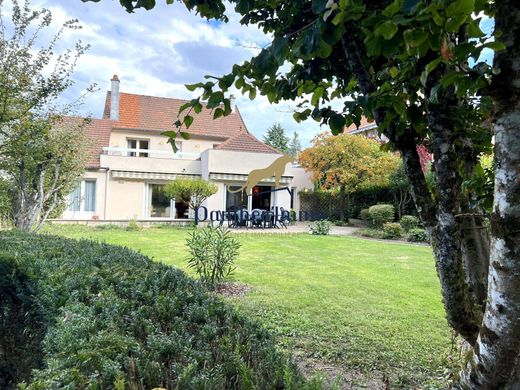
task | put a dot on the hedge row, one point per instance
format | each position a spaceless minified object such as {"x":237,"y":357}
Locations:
{"x":327,"y":203}
{"x":103,"y":317}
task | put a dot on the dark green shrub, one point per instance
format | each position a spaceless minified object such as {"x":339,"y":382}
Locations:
{"x":409,"y":222}
{"x":320,"y":228}
{"x":364,"y":215}
{"x":418,"y":235}
{"x":115,"y":316}
{"x":381,"y":214}
{"x":392,"y":230}
{"x":22,"y":323}
{"x":212,"y":253}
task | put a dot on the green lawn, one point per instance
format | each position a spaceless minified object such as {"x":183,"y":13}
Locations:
{"x":353,"y":303}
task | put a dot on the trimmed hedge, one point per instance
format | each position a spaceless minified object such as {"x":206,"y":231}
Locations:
{"x":116,"y":319}
{"x":392,"y":230}
{"x":381,"y":214}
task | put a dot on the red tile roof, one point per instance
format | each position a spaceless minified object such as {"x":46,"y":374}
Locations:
{"x":98,"y":130}
{"x":246,"y":142}
{"x":364,"y":123}
{"x":159,"y":113}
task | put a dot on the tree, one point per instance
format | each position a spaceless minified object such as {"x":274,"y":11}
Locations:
{"x":43,"y":162}
{"x":295,"y":145}
{"x":275,"y":137}
{"x":192,"y":191}
{"x":42,"y":153}
{"x":400,"y":188}
{"x":414,"y":67}
{"x":347,"y":163}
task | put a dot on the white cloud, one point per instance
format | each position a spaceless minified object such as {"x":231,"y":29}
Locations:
{"x":157,"y":52}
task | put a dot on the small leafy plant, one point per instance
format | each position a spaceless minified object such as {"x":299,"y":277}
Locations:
{"x":417,"y":235}
{"x":212,"y":254}
{"x":392,"y":230}
{"x":320,"y":228}
{"x":409,"y":222}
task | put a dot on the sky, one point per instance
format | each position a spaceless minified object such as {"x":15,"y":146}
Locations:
{"x":157,"y":52}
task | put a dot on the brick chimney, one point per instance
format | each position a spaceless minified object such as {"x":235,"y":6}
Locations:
{"x":114,"y":99}
{"x":233,"y":103}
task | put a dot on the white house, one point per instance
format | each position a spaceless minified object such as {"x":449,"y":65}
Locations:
{"x":132,"y":162}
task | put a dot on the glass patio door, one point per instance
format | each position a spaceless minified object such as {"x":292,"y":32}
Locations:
{"x":159,"y":205}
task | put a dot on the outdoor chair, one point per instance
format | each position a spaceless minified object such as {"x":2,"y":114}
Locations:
{"x":284,"y":219}
{"x":256,"y":218}
{"x":268,"y":219}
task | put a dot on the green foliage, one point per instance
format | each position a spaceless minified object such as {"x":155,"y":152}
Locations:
{"x":133,"y":225}
{"x":282,"y":272}
{"x":480,"y":186}
{"x":320,"y":228}
{"x":113,"y":315}
{"x":22,"y":323}
{"x":295,"y":146}
{"x":44,"y":150}
{"x":409,"y":222}
{"x":212,"y":254}
{"x":192,"y":191}
{"x":364,"y":214}
{"x":276,"y":138}
{"x":5,"y":201}
{"x":392,"y":230}
{"x":372,"y":233}
{"x":347,"y":162}
{"x":418,"y":235}
{"x":380,"y":214}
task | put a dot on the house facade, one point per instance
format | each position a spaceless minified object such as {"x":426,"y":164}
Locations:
{"x":132,"y":162}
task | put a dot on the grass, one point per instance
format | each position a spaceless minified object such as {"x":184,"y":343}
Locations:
{"x":361,"y":305}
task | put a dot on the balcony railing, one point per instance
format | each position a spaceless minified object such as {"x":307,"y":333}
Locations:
{"x":151,"y":153}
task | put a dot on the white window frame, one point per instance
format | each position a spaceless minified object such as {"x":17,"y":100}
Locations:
{"x":82,"y":187}
{"x":137,"y":150}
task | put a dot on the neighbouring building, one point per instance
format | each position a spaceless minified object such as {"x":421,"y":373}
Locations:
{"x":132,"y":162}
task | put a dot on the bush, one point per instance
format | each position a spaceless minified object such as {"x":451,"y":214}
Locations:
{"x":418,"y":235}
{"x":212,"y":253}
{"x":114,"y":318}
{"x":321,"y":228}
{"x":409,"y":222}
{"x":22,"y":324}
{"x":392,"y":230}
{"x":381,"y":214}
{"x":364,"y":215}
{"x":372,"y":233}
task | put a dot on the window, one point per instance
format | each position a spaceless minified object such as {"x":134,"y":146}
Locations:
{"x":138,"y":147}
{"x":236,"y":200}
{"x":83,"y":198}
{"x":160,"y":204}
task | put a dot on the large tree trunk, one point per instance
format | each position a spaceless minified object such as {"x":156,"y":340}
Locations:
{"x":495,"y":362}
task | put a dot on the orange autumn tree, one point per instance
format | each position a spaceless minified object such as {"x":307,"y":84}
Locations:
{"x":346,"y":163}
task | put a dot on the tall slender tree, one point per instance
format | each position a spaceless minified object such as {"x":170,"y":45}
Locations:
{"x":295,"y":146}
{"x":276,"y":138}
